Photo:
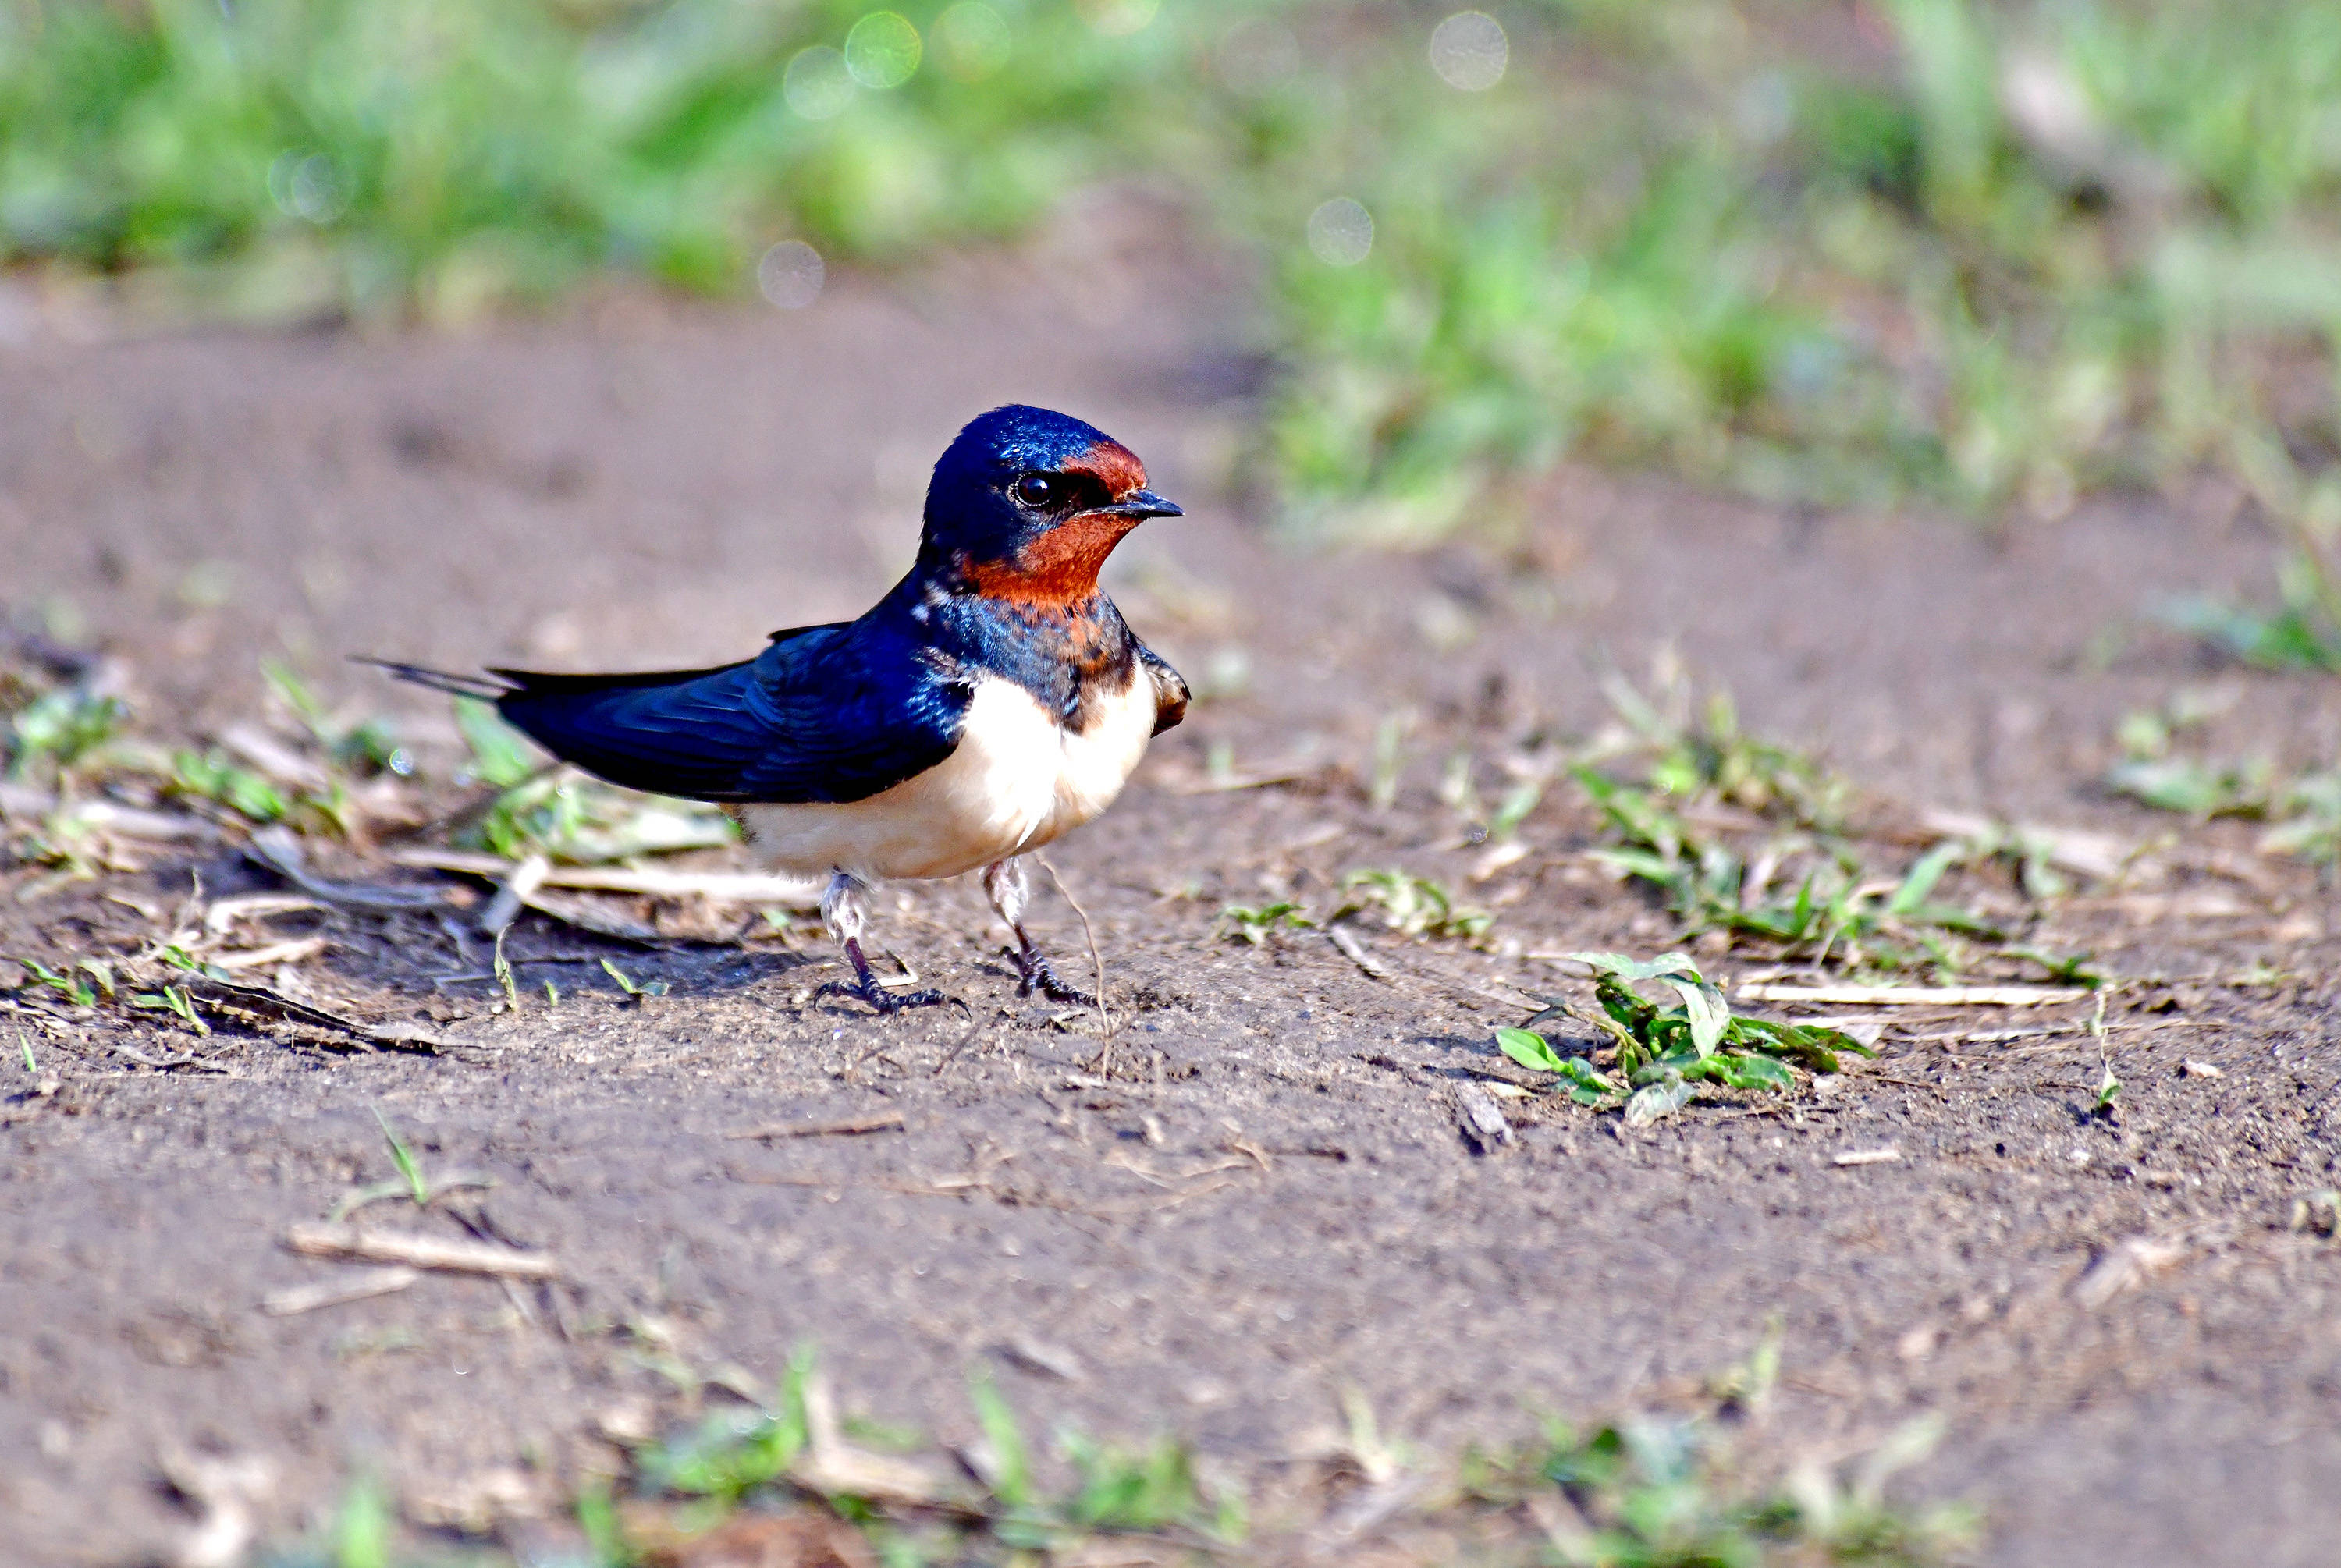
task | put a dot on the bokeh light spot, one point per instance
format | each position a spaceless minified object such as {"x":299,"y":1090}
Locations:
{"x":1470,"y":51}
{"x":882,"y":51}
{"x":817,"y":84}
{"x":1118,"y":18}
{"x":1258,"y":56}
{"x":971,"y":41}
{"x":1340,"y":232}
{"x":306,"y":185}
{"x":791,"y":274}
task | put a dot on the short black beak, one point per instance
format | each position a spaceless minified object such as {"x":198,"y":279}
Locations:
{"x":1143,"y":503}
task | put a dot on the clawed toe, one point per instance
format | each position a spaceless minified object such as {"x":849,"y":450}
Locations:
{"x":883,"y":1001}
{"x":1034,"y":973}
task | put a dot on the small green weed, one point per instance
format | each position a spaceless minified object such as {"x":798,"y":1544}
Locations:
{"x":174,"y":999}
{"x":1412,"y":906}
{"x":499,"y":753}
{"x":1147,"y":1491}
{"x":81,"y":983}
{"x":2299,"y":635}
{"x":60,"y":729}
{"x":363,"y":746}
{"x":505,"y":977}
{"x":633,"y":993}
{"x":564,"y":815}
{"x":365,"y":1531}
{"x":730,"y":1455}
{"x":2303,"y":811}
{"x":1661,"y":1055}
{"x":1691,"y":786}
{"x":409,"y":1169}
{"x":1143,"y":1490}
{"x":2308,"y":822}
{"x":411,"y":1184}
{"x":1646,"y":1492}
{"x":1245,"y":923}
{"x":1659,"y":1493}
{"x":211,"y":776}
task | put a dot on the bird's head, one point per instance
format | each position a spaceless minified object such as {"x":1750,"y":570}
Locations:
{"x":1026,"y":504}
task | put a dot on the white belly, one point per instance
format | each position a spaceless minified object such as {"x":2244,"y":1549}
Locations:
{"x":1016,"y":782}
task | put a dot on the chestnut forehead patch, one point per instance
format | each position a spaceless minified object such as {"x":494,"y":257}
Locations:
{"x":1115,"y":465}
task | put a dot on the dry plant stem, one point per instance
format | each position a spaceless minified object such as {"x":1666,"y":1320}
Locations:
{"x":291,"y":952}
{"x":1105,"y":1019}
{"x":852,"y":1126}
{"x":722,"y":887}
{"x":360,"y":1286}
{"x":420,"y":1252}
{"x":1916,"y":996}
{"x":1355,"y":951}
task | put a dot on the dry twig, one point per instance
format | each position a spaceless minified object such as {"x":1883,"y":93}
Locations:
{"x":851,"y":1127}
{"x":364,"y":1286}
{"x":348,"y":1241}
{"x":722,"y":887}
{"x":1914,"y":996}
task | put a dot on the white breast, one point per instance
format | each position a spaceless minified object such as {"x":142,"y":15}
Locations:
{"x":1017,"y":780}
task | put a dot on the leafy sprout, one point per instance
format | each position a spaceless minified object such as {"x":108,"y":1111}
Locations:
{"x":2303,"y":811}
{"x":363,"y":1528}
{"x":409,"y":1168}
{"x":626,"y":984}
{"x":1245,"y":923}
{"x":1412,"y":906}
{"x":1146,"y":1489}
{"x":1151,"y":1490}
{"x":176,"y":1000}
{"x":1662,"y":1054}
{"x":69,"y":984}
{"x":731,"y":1454}
{"x":499,"y":756}
{"x":61,"y":728}
{"x":412,"y":1184}
{"x":1650,"y":1492}
{"x":360,"y":746}
{"x":505,"y":979}
{"x":210,"y":776}
{"x":558,"y":813}
{"x":1750,"y":839}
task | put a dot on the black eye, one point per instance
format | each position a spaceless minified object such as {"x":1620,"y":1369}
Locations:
{"x":1035,"y":490}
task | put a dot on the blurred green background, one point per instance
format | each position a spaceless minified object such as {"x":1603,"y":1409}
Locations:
{"x":1983,"y":257}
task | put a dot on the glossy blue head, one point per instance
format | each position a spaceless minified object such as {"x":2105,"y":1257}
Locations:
{"x":1027,"y":504}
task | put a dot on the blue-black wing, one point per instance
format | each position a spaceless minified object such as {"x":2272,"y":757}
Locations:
{"x":827,"y":713}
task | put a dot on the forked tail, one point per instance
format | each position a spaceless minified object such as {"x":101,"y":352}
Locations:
{"x":485,"y":688}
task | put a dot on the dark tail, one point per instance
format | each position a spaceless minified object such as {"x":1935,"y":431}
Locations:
{"x":480,"y":686}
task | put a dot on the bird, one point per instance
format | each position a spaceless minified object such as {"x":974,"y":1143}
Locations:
{"x":991,"y":702}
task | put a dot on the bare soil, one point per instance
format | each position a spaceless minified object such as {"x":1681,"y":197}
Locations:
{"x":1260,"y":1195}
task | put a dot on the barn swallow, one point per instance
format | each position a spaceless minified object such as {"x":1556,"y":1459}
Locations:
{"x":991,"y":702}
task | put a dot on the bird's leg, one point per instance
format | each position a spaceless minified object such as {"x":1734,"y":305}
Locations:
{"x":845,"y":908}
{"x":1004,"y":884}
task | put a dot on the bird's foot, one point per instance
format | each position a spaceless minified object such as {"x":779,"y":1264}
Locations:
{"x":1034,"y":973}
{"x":883,"y":1001}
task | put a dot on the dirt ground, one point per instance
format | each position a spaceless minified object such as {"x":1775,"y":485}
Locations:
{"x":1263,"y":1197}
